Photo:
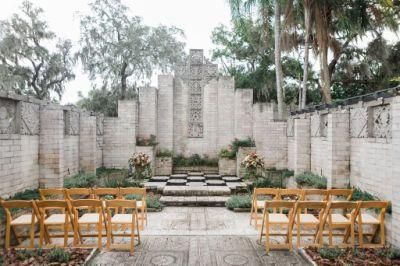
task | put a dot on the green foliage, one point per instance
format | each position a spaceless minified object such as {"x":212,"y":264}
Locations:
{"x":81,"y":180}
{"x":330,"y":253}
{"x":101,"y":101}
{"x":123,"y":52}
{"x":152,"y":201}
{"x":228,"y":154}
{"x":58,"y":255}
{"x":311,"y":180}
{"x":238,"y":201}
{"x":146,"y":141}
{"x":164,"y":153}
{"x":29,"y":194}
{"x":27,"y":63}
{"x":194,"y":160}
{"x":120,"y":181}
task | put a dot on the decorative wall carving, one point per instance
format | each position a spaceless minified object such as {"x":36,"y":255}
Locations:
{"x":71,"y":121}
{"x":315,"y":125}
{"x":196,"y":73}
{"x":382,"y":121}
{"x":29,"y":118}
{"x":323,"y":130}
{"x":8,"y":121}
{"x":358,"y":123}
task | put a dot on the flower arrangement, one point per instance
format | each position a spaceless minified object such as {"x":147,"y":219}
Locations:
{"x":252,"y":163}
{"x":140,"y":162}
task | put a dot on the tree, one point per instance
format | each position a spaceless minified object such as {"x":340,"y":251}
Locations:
{"x":27,"y":66}
{"x":122,"y":51}
{"x":278,"y":65}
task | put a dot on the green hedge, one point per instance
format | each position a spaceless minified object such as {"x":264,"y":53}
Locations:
{"x":311,"y":180}
{"x":194,"y":160}
{"x":238,"y":201}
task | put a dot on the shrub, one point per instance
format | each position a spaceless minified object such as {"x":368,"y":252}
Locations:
{"x":58,"y":255}
{"x":153,"y":202}
{"x":151,"y":141}
{"x":312,"y":180}
{"x":393,"y":253}
{"x":268,"y":182}
{"x":120,"y":181}
{"x":164,"y":153}
{"x":238,"y":201}
{"x":330,"y":253}
{"x":227,"y":153}
{"x":80,"y":180}
{"x":194,"y":160}
{"x":29,"y":194}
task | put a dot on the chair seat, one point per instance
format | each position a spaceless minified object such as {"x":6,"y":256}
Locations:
{"x":278,"y":218}
{"x":369,"y":219}
{"x":306,"y":218}
{"x":122,"y":219}
{"x":23,"y":219}
{"x":338,"y":218}
{"x":89,"y":218}
{"x":58,"y":218}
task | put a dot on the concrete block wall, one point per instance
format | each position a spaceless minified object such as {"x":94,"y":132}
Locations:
{"x":119,"y":135}
{"x":87,"y":143}
{"x":226,"y":114}
{"x":243,"y":113}
{"x":301,"y":145}
{"x":147,"y":112}
{"x":165,"y":112}
{"x":395,"y":191}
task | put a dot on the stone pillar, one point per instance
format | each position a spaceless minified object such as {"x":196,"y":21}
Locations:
{"x":51,"y":146}
{"x":302,"y":145}
{"x":338,"y":153}
{"x":396,"y":171}
{"x":147,"y":112}
{"x":87,"y":143}
{"x":165,"y":112}
{"x":226,"y":105}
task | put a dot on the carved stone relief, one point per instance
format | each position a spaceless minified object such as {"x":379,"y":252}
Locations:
{"x":358,"y":123}
{"x":382,"y":121}
{"x":196,"y":73}
{"x":8,"y":110}
{"x":29,"y":118}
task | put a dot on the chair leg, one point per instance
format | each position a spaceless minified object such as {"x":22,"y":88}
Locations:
{"x":132,"y":238}
{"x":382,"y":229}
{"x":32,"y":236}
{"x":267,"y":244}
{"x":100,"y":233}
{"x":352,"y":234}
{"x":8,"y":235}
{"x":298,"y":228}
{"x":109,"y":235}
{"x":330,"y":235}
{"x":360,"y":235}
{"x":41,"y":234}
{"x":290,"y":238}
{"x":251,"y":212}
{"x":66,"y":230}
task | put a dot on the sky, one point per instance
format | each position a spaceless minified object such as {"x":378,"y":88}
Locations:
{"x":196,"y":18}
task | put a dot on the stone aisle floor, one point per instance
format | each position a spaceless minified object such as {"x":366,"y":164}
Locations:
{"x":198,"y":236}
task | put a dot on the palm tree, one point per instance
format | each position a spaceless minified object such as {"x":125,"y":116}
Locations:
{"x":307,"y":25}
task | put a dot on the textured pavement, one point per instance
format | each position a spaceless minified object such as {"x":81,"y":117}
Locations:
{"x":198,"y":236}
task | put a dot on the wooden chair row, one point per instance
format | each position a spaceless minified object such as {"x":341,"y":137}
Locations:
{"x":100,"y":193}
{"x":72,"y":214}
{"x":262,"y":194}
{"x":311,"y":218}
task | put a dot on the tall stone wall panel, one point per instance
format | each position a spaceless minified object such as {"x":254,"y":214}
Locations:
{"x":226,"y":107}
{"x":243,"y":113}
{"x":10,"y":164}
{"x":88,"y":143}
{"x":99,"y":139}
{"x":165,"y":112}
{"x":147,"y":112}
{"x":180,"y":117}
{"x":70,"y":156}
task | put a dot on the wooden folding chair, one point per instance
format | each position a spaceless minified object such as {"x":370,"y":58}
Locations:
{"x":54,"y":213}
{"x":309,"y":221}
{"x":279,"y":219}
{"x":88,"y":212}
{"x":340,"y":194}
{"x":260,"y":195}
{"x":129,"y":220}
{"x":291,"y":194}
{"x":25,"y":220}
{"x":365,"y":218}
{"x":315,"y":195}
{"x":105,"y":193}
{"x":52,"y":193}
{"x":141,"y":204}
{"x":345,"y":219}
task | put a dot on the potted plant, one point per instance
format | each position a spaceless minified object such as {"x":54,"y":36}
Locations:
{"x":139,"y":163}
{"x":253,"y":164}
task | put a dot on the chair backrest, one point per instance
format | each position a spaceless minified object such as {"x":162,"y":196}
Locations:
{"x":121,"y":203}
{"x":19,"y":204}
{"x":336,"y":194}
{"x":123,"y":192}
{"x":317,"y":206}
{"x":291,"y":194}
{"x":85,"y":203}
{"x":271,"y":193}
{"x":348,"y":207}
{"x":78,"y":193}
{"x":381,"y":206}
{"x":280,"y":204}
{"x":102,"y":193}
{"x":52,"y":205}
{"x":315,"y":195}
{"x":51,"y":193}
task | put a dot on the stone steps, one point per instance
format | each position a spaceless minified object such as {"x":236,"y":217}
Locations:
{"x":214,"y":201}
{"x":196,"y":191}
